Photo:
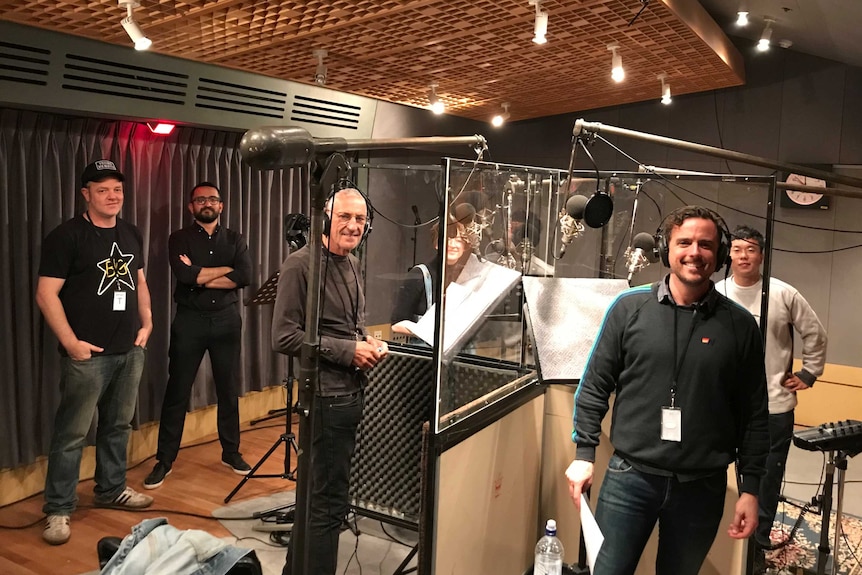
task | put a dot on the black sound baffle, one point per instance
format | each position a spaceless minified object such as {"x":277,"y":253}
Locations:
{"x":385,"y":471}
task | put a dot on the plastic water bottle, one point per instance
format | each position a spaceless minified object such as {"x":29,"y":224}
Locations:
{"x":549,"y":552}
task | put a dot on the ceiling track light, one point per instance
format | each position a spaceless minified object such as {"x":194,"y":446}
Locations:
{"x":763,"y":43}
{"x":320,"y":71}
{"x":540,"y":28}
{"x":500,"y":119}
{"x":742,"y":18}
{"x":437,"y":105}
{"x":131,"y":27}
{"x":617,"y":72}
{"x":665,"y":89}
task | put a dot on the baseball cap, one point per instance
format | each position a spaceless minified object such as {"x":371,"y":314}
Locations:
{"x":100,"y":170}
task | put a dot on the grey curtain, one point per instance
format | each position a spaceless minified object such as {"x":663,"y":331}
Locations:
{"x":41,"y":159}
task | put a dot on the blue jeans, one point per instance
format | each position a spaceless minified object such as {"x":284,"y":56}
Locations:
{"x":780,"y":436}
{"x":109,"y":384}
{"x":335,"y":422}
{"x":630,"y":503}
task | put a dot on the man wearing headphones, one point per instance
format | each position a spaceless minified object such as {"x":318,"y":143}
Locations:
{"x":789,"y":312}
{"x":686,"y":365}
{"x":346,"y":352}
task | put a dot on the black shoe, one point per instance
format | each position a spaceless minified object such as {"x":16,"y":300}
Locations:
{"x":157,"y":475}
{"x":236,"y":462}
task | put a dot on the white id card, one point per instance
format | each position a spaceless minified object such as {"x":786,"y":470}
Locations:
{"x":119,"y":301}
{"x":671,"y":424}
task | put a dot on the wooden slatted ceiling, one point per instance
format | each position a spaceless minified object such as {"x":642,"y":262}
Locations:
{"x":480,"y":52}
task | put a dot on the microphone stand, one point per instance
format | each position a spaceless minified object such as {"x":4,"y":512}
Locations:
{"x":416,"y":223}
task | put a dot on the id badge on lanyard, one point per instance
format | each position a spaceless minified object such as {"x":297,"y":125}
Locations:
{"x":671,"y":423}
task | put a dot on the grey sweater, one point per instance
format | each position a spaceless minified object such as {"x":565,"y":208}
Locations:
{"x":342,"y":317}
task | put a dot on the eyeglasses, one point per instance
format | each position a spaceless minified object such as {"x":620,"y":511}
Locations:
{"x":345,"y":218}
{"x":201,"y":200}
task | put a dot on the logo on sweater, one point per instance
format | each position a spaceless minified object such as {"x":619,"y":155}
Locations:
{"x":116,"y":269}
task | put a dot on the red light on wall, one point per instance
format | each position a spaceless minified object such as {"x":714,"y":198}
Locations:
{"x":160,"y":128}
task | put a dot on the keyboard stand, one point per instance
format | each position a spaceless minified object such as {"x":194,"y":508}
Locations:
{"x":837,"y":460}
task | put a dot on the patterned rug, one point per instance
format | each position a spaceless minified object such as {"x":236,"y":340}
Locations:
{"x":802,"y":550}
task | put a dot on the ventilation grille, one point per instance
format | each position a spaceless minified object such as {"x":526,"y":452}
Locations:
{"x":40,"y":69}
{"x":93,"y":75}
{"x":24,"y":64}
{"x":227,"y":97}
{"x":325,"y":113}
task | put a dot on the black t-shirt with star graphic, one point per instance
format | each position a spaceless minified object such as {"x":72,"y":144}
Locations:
{"x":97,"y":263}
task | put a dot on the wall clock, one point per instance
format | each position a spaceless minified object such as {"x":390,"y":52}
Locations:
{"x":800,"y":199}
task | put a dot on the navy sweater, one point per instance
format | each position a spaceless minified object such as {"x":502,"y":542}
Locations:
{"x":721,"y":387}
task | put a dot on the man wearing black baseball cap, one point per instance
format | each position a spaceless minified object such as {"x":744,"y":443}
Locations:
{"x":94,"y":297}
{"x":99,"y":171}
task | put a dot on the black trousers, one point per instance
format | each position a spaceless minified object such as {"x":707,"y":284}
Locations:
{"x":192,"y":334}
{"x":335,"y":423}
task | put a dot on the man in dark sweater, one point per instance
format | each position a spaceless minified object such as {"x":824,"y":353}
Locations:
{"x":346,"y":352}
{"x":687,"y":369}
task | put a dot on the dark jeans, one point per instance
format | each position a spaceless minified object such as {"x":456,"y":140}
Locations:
{"x":335,"y":422}
{"x":630,"y":503}
{"x":192,"y":334}
{"x":109,"y":384}
{"x":780,"y":436}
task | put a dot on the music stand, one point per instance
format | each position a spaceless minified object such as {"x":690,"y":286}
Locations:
{"x":266,"y":295}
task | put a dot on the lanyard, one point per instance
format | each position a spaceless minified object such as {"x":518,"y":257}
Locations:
{"x":679,"y":363}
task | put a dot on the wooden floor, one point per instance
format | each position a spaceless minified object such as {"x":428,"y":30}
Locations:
{"x":198,"y":485}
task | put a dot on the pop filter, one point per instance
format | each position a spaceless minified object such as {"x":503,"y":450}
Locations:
{"x":598,"y":210}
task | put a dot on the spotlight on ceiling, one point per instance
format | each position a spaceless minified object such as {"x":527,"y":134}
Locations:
{"x":131,"y":27}
{"x":500,"y":119}
{"x":320,"y":71}
{"x":437,"y":105}
{"x":763,"y":43}
{"x":540,"y":28}
{"x":665,"y":89}
{"x":617,"y":72}
{"x":742,"y":19}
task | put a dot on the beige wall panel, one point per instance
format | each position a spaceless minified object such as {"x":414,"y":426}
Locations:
{"x":488,"y":497}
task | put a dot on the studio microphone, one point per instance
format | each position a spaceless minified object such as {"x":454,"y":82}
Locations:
{"x":640,"y":254}
{"x":465,"y":214}
{"x":418,"y":220}
{"x":570,"y":221}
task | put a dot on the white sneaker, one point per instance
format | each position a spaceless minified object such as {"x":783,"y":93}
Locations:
{"x":128,"y":499}
{"x":57,"y":529}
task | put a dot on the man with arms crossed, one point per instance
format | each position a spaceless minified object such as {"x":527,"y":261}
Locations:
{"x":94,"y":297}
{"x":211,"y":264}
{"x":787,"y":312}
{"x":686,"y":366}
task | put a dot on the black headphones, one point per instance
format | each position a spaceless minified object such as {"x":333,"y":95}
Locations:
{"x":345,"y":184}
{"x":722,"y":256}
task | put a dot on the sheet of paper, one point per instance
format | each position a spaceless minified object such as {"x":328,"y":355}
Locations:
{"x":479,"y":287}
{"x":593,"y":537}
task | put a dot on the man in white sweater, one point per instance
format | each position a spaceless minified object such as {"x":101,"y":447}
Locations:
{"x":787,"y":312}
